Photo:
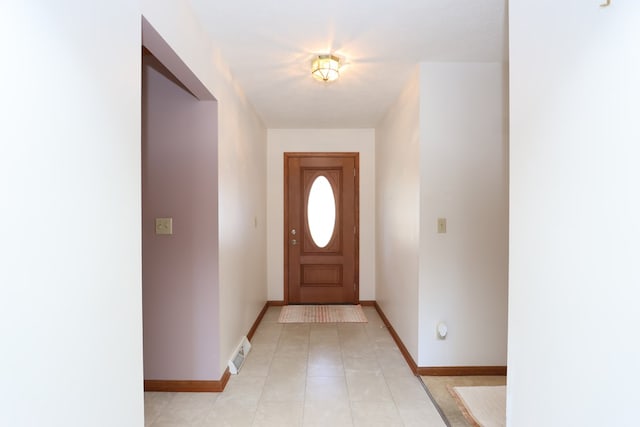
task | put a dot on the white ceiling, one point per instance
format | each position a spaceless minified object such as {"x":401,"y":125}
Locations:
{"x":269,"y":46}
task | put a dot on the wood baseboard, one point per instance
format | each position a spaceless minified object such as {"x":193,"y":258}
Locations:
{"x":217,"y":386}
{"x":194,"y":386}
{"x":407,"y":356}
{"x":257,"y":322}
{"x":454,"y":371}
{"x":272,"y":303}
{"x":275,"y":303}
{"x":437,"y":370}
{"x":197,"y":386}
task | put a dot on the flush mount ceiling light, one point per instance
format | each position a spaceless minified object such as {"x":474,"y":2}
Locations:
{"x":326,"y":68}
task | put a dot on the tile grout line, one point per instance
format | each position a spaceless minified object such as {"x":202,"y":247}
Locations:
{"x":306,"y":376}
{"x":344,"y":373}
{"x":384,"y":376}
{"x":364,"y":346}
{"x":255,"y":412}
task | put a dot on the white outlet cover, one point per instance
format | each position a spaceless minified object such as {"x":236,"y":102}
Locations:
{"x":442,"y":330}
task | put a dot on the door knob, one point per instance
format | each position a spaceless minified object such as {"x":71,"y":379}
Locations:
{"x":293,"y":231}
{"x":294,"y":242}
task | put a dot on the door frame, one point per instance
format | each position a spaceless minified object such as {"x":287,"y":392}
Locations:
{"x":356,"y":159}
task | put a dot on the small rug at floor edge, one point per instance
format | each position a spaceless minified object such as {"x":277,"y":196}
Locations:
{"x":482,"y":406}
{"x":322,"y":314}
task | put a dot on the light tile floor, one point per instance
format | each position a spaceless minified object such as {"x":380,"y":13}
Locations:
{"x":331,"y":374}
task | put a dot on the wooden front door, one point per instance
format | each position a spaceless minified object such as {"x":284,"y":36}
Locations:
{"x":321,"y":228}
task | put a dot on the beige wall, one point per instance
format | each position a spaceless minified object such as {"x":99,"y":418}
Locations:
{"x":398,"y":213}
{"x":441,"y":151}
{"x":313,"y":140}
{"x":464,"y":178}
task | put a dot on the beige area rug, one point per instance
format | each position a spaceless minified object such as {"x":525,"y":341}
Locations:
{"x":482,"y":406}
{"x":322,"y":314}
{"x":439,"y":387}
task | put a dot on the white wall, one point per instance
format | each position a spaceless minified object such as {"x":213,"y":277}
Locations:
{"x":70,"y":303}
{"x":398,"y":213}
{"x":70,"y":310}
{"x":242,"y":172}
{"x":319,"y":140}
{"x":575,"y":213}
{"x":463,"y":178}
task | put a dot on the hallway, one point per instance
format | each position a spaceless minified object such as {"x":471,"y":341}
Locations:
{"x":349,"y":374}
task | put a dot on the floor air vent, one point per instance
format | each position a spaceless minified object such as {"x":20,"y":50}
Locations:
{"x":237,"y":360}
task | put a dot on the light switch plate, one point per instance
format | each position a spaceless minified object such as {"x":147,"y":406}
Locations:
{"x":164,"y":225}
{"x":442,"y":225}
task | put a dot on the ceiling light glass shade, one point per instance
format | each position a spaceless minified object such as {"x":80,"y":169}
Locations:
{"x":326,"y":68}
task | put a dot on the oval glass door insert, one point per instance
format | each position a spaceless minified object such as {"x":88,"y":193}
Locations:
{"x":321,"y":211}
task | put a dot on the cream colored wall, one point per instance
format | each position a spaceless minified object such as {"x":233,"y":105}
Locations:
{"x":464,"y":178}
{"x":314,"y":140}
{"x":242,"y":142}
{"x":398,"y":213}
{"x":441,"y":151}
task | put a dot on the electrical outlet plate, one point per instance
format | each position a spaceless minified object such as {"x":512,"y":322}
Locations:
{"x":442,"y":225}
